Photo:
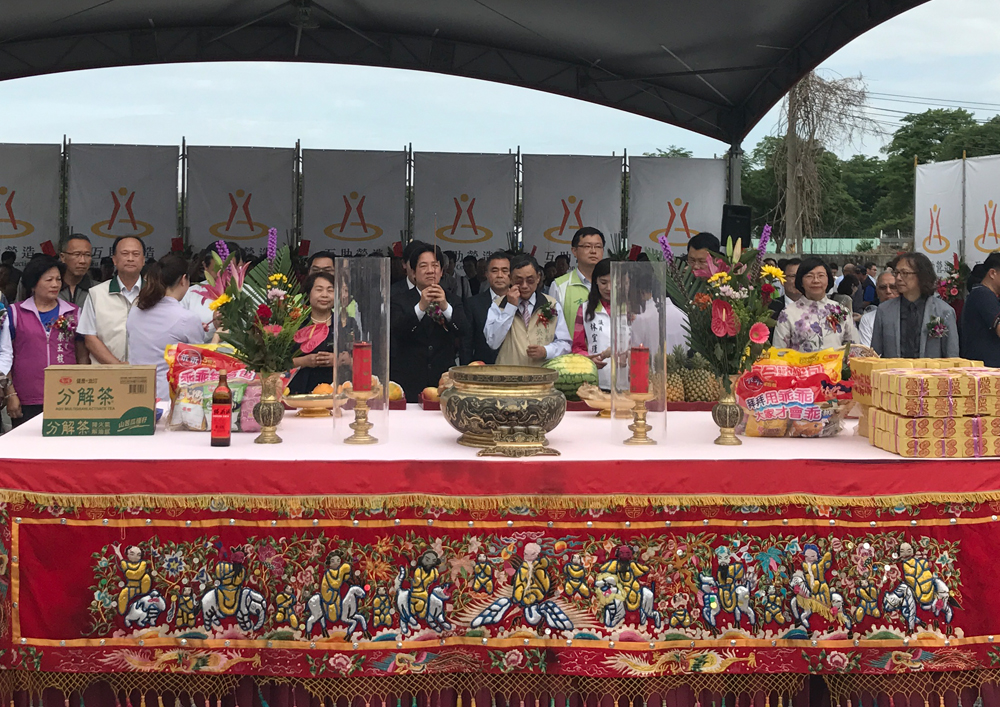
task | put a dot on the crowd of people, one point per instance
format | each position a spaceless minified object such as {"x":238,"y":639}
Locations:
{"x":506,"y":308}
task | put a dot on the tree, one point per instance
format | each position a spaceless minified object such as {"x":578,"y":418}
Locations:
{"x":819,"y":114}
{"x":671,"y":151}
{"x":923,"y":137}
{"x":973,"y":141}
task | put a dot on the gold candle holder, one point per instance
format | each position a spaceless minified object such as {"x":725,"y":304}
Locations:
{"x":361,"y":425}
{"x":640,"y":428}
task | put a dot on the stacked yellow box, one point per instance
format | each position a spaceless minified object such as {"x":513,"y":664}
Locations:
{"x":863,"y":370}
{"x":936,"y":412}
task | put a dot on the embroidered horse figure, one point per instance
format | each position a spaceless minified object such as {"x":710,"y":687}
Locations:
{"x":350,"y":613}
{"x":435,"y":618}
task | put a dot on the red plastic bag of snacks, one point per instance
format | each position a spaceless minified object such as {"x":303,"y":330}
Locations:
{"x":788,"y":393}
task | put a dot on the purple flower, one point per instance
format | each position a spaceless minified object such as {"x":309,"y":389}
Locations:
{"x":222,"y":249}
{"x":272,"y":243}
{"x":668,"y":254}
{"x":765,"y":237}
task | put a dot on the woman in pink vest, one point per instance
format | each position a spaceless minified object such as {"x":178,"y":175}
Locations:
{"x":43,"y":333}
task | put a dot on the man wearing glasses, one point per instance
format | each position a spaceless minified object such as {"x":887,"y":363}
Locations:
{"x":527,"y":326}
{"x":886,"y":287}
{"x":75,"y":250}
{"x":572,"y":289}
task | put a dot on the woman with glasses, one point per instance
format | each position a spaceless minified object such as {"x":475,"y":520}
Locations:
{"x":814,"y":322}
{"x":917,"y":323}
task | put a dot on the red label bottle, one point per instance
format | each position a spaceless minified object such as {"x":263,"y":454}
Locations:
{"x":222,"y":413}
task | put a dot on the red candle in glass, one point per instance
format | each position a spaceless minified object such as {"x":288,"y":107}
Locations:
{"x":361,"y":366}
{"x":638,"y":364}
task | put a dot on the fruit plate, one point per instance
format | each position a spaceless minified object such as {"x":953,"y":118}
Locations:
{"x":312,"y":405}
{"x":429,"y":404}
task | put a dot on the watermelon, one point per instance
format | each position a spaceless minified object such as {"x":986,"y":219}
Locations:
{"x":574,"y":371}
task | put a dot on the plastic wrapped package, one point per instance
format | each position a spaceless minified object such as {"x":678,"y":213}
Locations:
{"x":788,"y":393}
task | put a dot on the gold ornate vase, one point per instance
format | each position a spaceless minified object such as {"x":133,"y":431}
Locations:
{"x":727,"y":414}
{"x":485,"y":398}
{"x":269,"y":411}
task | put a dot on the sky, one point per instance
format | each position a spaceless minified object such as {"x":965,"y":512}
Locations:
{"x":945,"y":49}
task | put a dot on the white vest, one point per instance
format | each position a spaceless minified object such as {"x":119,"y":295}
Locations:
{"x":598,"y":333}
{"x":111,"y":310}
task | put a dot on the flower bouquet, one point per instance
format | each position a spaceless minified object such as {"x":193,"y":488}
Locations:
{"x":951,"y":287}
{"x":260,"y":313}
{"x":727,"y":305}
{"x":728,"y":316}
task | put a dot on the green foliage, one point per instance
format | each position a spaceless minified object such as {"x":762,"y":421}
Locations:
{"x":671,"y":151}
{"x":865,"y":194}
{"x":268,"y":344}
{"x":865,"y":246}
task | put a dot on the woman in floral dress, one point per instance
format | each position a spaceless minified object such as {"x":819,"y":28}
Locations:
{"x":814,"y":322}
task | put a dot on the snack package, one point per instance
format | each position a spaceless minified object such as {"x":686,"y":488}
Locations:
{"x":788,"y":393}
{"x":193,"y":373}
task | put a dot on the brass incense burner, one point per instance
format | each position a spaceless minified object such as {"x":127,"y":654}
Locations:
{"x":487,"y":398}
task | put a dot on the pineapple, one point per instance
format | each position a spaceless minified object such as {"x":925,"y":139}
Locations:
{"x":675,"y":383}
{"x":700,"y":383}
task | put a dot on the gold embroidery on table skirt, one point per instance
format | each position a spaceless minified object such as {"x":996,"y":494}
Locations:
{"x":392,"y":501}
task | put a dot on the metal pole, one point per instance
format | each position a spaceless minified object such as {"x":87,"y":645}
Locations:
{"x":409,"y":194}
{"x":734,"y":167}
{"x":624,"y":193}
{"x":183,"y":165}
{"x":297,"y":196}
{"x":518,"y":201}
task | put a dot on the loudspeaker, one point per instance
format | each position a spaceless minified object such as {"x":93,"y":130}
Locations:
{"x":736,"y":224}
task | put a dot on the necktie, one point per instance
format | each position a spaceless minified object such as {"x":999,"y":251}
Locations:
{"x":525,"y":312}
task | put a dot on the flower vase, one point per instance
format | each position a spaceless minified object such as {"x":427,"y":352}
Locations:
{"x":727,"y":414}
{"x":269,"y":411}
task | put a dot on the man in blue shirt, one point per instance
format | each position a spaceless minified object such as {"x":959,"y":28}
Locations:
{"x":980,"y":332}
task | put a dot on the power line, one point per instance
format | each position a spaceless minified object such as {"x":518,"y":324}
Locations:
{"x":901,"y":98}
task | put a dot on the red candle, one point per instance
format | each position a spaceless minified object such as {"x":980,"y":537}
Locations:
{"x":361,"y":369}
{"x":638,"y":364}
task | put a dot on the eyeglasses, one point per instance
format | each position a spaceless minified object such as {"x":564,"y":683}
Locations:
{"x":815,"y":276}
{"x":906,"y":273}
{"x":593,"y":247}
{"x":78,"y":256}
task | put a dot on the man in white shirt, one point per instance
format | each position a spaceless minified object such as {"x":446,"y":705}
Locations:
{"x":528,"y":327}
{"x":102,"y":322}
{"x":477,"y":309}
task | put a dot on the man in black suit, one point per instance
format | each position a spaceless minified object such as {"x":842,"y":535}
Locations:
{"x":498,"y":276}
{"x":425,"y":326}
{"x":778,"y":304}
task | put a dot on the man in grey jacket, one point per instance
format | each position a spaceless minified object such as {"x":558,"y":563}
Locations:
{"x":918,"y":323}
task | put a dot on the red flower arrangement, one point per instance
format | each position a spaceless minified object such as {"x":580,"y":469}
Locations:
{"x":546,"y":312}
{"x":264,"y":313}
{"x":724,"y":321}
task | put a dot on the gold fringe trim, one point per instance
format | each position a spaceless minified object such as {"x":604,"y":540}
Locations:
{"x":388,"y":688}
{"x":474,"y":503}
{"x":861,"y":688}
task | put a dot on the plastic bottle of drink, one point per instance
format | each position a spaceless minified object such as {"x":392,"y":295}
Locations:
{"x":222,"y":413}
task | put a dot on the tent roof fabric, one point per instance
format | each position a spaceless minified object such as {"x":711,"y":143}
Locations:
{"x":711,"y":66}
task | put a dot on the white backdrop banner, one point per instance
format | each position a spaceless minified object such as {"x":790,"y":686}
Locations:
{"x":677,"y":196}
{"x":563,"y":193}
{"x":353,"y":201}
{"x":29,"y":198}
{"x":937,"y":221}
{"x":124,"y":190}
{"x":238,"y":193}
{"x":982,"y":195}
{"x":463,"y":202}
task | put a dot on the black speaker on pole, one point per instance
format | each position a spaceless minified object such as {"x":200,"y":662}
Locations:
{"x":736,"y":224}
